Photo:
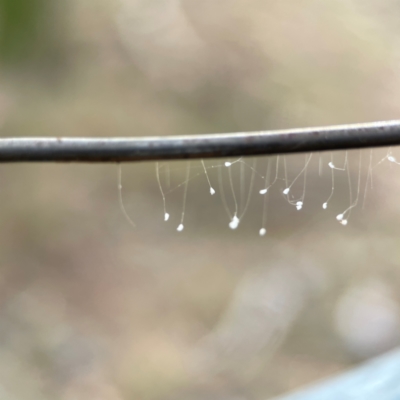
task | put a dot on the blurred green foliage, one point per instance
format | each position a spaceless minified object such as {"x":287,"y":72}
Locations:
{"x":29,"y":32}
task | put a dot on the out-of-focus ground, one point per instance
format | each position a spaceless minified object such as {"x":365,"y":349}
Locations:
{"x":92,"y":308}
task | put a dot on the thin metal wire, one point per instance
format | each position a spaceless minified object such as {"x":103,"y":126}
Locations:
{"x":89,"y":150}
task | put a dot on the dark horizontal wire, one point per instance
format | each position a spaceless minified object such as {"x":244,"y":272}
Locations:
{"x":102,"y":150}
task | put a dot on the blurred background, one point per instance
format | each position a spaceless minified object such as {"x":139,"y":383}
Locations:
{"x":92,"y":308}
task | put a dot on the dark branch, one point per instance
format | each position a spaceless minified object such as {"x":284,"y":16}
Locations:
{"x":339,"y":137}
